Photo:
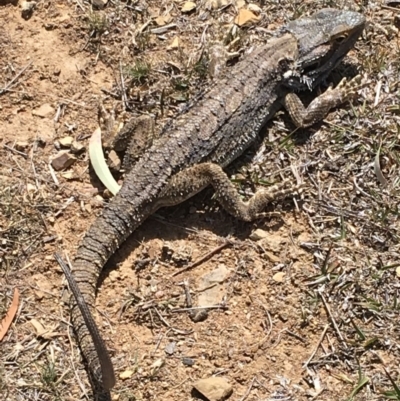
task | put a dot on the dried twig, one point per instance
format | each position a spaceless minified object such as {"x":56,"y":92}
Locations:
{"x":203,"y":258}
{"x":328,"y":310}
{"x":11,"y":83}
{"x":16,"y":151}
{"x":123,"y":89}
{"x":317,"y":346}
{"x":246,"y":394}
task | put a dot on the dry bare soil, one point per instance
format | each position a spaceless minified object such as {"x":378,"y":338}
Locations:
{"x":310,"y":299}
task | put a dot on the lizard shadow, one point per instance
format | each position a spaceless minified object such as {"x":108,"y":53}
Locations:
{"x":180,"y":222}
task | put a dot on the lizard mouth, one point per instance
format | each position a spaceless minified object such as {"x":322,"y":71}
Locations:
{"x":330,"y":34}
{"x":324,"y":57}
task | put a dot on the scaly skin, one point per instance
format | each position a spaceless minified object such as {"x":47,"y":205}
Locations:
{"x":209,"y":135}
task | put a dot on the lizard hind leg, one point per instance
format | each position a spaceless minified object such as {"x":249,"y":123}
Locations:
{"x":193,"y":179}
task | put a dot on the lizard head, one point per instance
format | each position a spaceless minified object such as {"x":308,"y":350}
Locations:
{"x":323,"y":40}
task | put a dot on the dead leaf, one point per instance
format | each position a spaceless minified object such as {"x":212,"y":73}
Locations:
{"x":45,"y":110}
{"x":174,"y":44}
{"x":69,"y":175}
{"x":278,"y":277}
{"x":215,"y":4}
{"x":255,"y":8}
{"x":41,"y":331}
{"x":30,"y":187}
{"x":246,"y":17}
{"x":188,"y":6}
{"x":160,"y":21}
{"x":6,"y":322}
{"x":38,"y":327}
{"x":126,"y":374}
{"x":66,"y":142}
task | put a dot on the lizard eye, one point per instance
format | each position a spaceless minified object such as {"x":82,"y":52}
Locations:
{"x":339,"y":39}
{"x":286,"y":65}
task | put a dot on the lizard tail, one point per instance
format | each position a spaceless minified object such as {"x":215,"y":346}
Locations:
{"x":100,"y":242}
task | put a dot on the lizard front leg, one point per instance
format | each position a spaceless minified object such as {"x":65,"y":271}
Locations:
{"x":135,"y":137}
{"x":130,"y":141}
{"x":320,"y":106}
{"x":193,"y":179}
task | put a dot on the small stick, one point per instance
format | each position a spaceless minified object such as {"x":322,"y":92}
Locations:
{"x":162,"y":318}
{"x":316,"y":348}
{"x":123,"y":89}
{"x":203,"y":258}
{"x":246,"y":394}
{"x":194,"y":308}
{"x":8,"y":86}
{"x":189,"y":303}
{"x":170,"y":328}
{"x":108,"y":92}
{"x":67,"y":203}
{"x":332,"y":319}
{"x":34,"y":173}
{"x":16,"y":151}
{"x":80,"y":5}
{"x":160,"y":337}
{"x":53,"y":175}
